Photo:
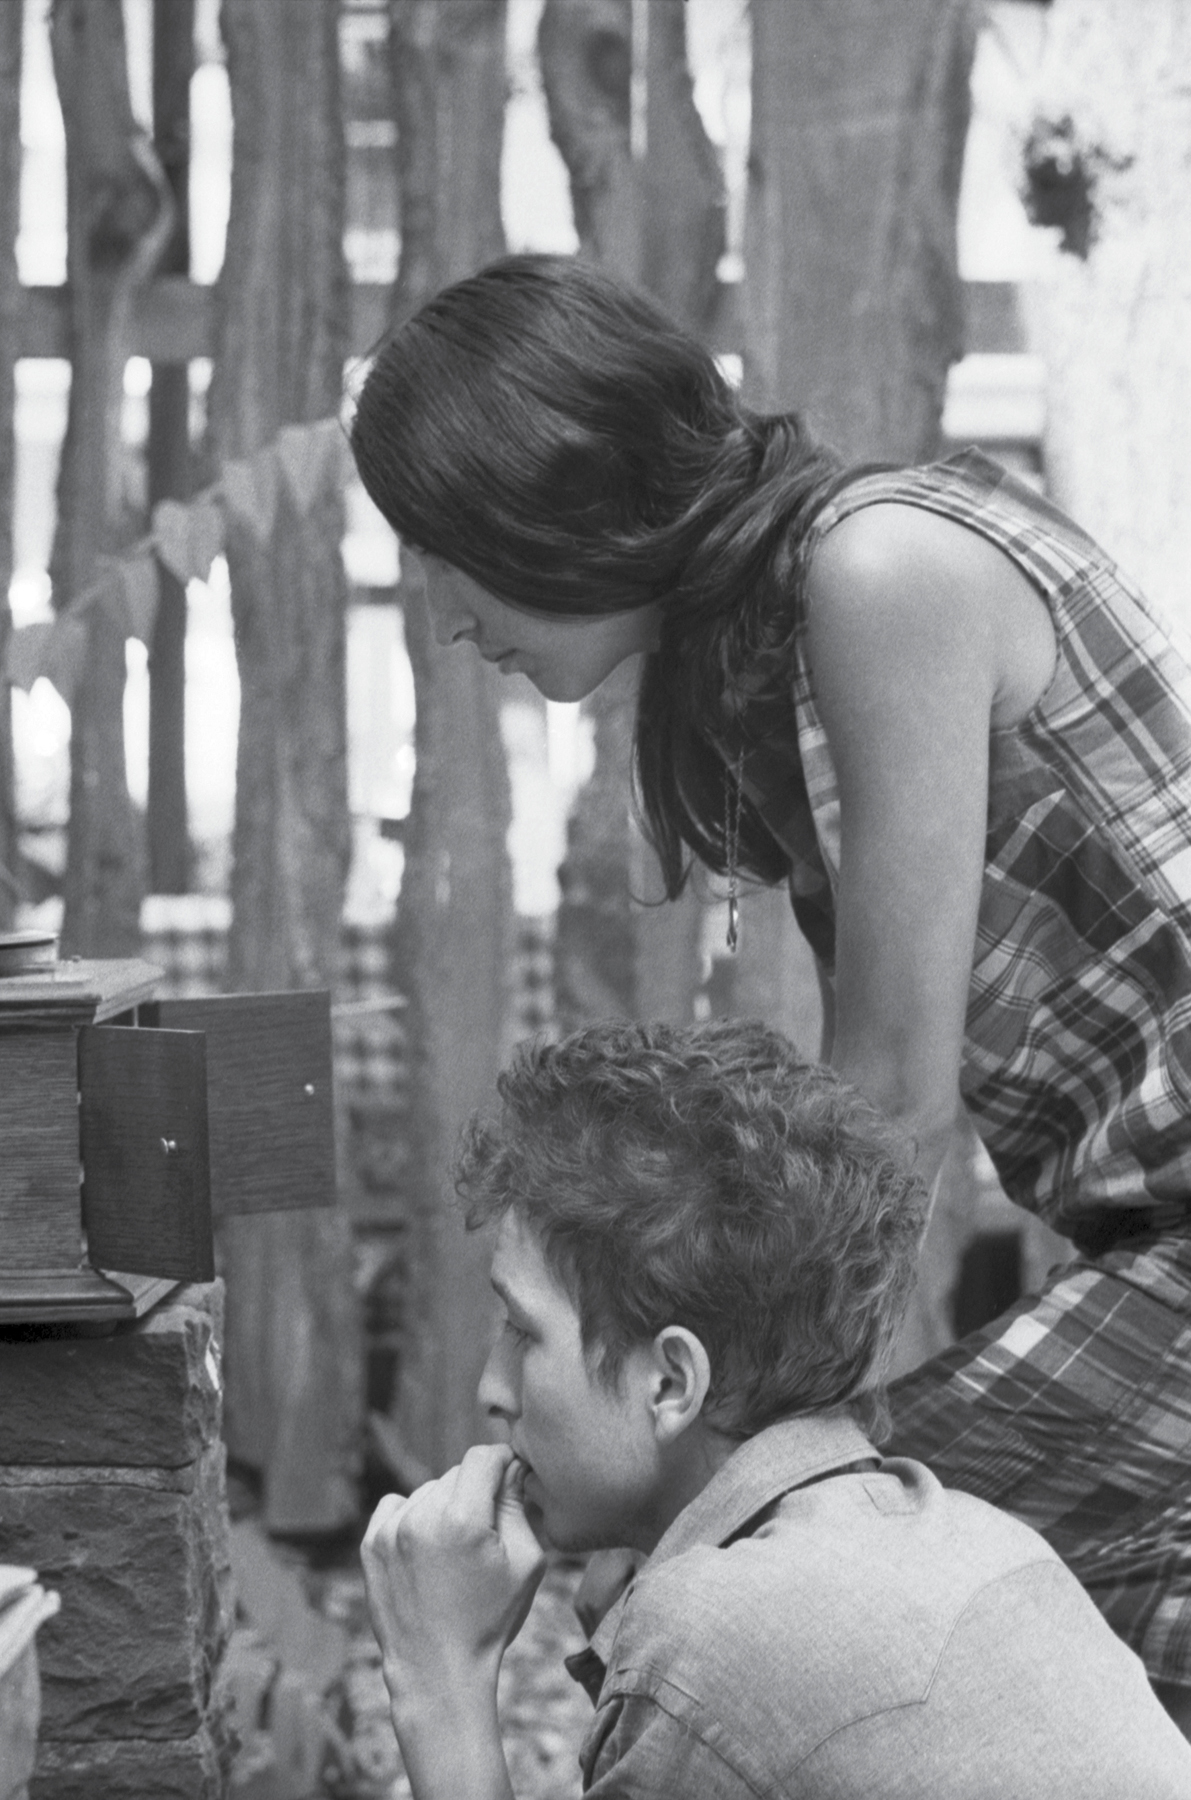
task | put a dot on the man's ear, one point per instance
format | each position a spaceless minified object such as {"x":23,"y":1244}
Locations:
{"x":680,"y":1377}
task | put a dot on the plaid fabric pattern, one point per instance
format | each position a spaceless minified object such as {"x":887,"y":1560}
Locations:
{"x":1073,"y":1411}
{"x":1077,"y":1061}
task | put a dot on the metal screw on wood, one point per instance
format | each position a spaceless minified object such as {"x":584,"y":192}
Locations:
{"x":170,"y":1146}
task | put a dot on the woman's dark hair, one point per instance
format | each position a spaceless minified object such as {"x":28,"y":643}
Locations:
{"x":552,"y":433}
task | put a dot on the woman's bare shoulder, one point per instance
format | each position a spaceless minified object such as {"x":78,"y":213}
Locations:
{"x":923,"y":577}
{"x":889,"y":546}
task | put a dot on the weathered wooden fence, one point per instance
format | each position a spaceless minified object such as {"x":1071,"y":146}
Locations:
{"x":279,"y":326}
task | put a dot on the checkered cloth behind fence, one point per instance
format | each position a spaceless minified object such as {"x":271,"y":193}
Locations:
{"x":192,"y":958}
{"x":367,"y":1016}
{"x":533,"y":998}
{"x":367,"y":1022}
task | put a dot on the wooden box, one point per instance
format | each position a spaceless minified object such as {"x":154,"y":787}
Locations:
{"x":127,"y":1123}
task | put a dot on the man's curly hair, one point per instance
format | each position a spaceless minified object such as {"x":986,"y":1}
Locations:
{"x":707,"y":1176}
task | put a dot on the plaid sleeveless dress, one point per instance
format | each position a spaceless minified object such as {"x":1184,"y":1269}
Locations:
{"x":1073,"y":1410}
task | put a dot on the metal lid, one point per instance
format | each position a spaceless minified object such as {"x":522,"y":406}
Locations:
{"x":23,"y":952}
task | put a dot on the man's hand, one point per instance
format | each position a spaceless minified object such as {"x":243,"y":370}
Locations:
{"x":451,"y":1574}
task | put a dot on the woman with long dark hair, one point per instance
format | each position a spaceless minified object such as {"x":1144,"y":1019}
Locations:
{"x":930,"y":704}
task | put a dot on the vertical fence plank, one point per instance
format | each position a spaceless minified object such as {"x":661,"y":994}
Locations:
{"x":169,"y":465}
{"x":453,"y":948}
{"x":10,"y":187}
{"x":860,"y":115}
{"x":854,"y":307}
{"x":294,"y":1391}
{"x":116,"y":218}
{"x":684,"y":185}
{"x":652,"y":213}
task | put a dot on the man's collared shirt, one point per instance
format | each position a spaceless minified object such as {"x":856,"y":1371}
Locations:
{"x":823,"y":1623}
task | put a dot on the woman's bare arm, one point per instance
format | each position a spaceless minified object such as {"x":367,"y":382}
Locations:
{"x":907,"y":648}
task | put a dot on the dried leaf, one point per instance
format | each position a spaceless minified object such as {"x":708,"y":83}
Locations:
{"x":142,"y":591}
{"x":188,"y":535}
{"x":249,"y":491}
{"x":309,"y":459}
{"x":26,"y":658}
{"x":66,"y":655}
{"x":171,"y":535}
{"x":206,"y":537}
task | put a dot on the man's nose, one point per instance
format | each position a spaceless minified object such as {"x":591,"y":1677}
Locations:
{"x":496,"y":1393}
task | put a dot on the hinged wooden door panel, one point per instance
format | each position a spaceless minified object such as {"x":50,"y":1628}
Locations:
{"x":143,"y":1131}
{"x":269,"y":1096}
{"x":39,"y":1150}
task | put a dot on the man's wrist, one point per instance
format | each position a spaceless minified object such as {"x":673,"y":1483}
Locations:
{"x":449,"y":1735}
{"x":425,"y":1697}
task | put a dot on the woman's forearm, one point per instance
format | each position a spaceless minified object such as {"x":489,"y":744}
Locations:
{"x":926,"y":1112}
{"x":907,"y":665}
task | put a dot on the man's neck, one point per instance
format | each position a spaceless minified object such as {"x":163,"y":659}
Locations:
{"x":690,"y":1463}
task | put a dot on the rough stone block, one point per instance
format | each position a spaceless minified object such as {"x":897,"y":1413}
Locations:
{"x":140,"y":1559}
{"x":193,"y":1768}
{"x":148,"y":1396}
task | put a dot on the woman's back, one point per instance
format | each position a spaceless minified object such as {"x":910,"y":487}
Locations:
{"x":1077,"y":1054}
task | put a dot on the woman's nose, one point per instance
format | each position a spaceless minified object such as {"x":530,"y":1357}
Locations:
{"x":450,"y":621}
{"x":450,"y":626}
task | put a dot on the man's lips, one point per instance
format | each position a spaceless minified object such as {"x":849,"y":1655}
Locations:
{"x":527,"y":1470}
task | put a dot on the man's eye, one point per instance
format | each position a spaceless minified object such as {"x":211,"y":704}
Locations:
{"x":515,"y":1332}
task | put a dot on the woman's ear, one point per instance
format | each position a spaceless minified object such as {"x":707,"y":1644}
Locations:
{"x":680,"y":1377}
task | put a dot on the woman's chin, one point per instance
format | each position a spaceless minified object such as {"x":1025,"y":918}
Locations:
{"x":563,"y":689}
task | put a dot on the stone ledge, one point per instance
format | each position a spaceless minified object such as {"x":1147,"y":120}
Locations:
{"x":193,"y":1768}
{"x":146,"y":1604}
{"x":40,"y":1475}
{"x":148,"y":1396}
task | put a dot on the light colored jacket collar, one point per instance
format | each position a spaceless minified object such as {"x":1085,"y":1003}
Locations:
{"x":783,"y":1456}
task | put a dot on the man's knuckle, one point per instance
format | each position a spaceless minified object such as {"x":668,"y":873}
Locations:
{"x":405,"y":1532}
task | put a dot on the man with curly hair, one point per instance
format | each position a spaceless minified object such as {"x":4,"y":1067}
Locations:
{"x":703,"y":1246}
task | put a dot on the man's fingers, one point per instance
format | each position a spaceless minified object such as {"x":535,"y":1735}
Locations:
{"x":480,"y":1498}
{"x":510,"y":1498}
{"x":478,"y":1481}
{"x":513,"y":1528}
{"x":383,"y":1522}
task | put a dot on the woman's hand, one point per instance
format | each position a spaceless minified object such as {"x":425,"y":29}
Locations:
{"x":451,"y":1574}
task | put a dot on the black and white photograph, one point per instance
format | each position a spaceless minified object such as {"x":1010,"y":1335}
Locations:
{"x":595,"y":899}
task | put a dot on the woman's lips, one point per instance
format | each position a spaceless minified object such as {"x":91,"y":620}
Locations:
{"x":505,"y":660}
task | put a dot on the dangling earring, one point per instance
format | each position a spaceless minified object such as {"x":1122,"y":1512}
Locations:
{"x":733,"y":790}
